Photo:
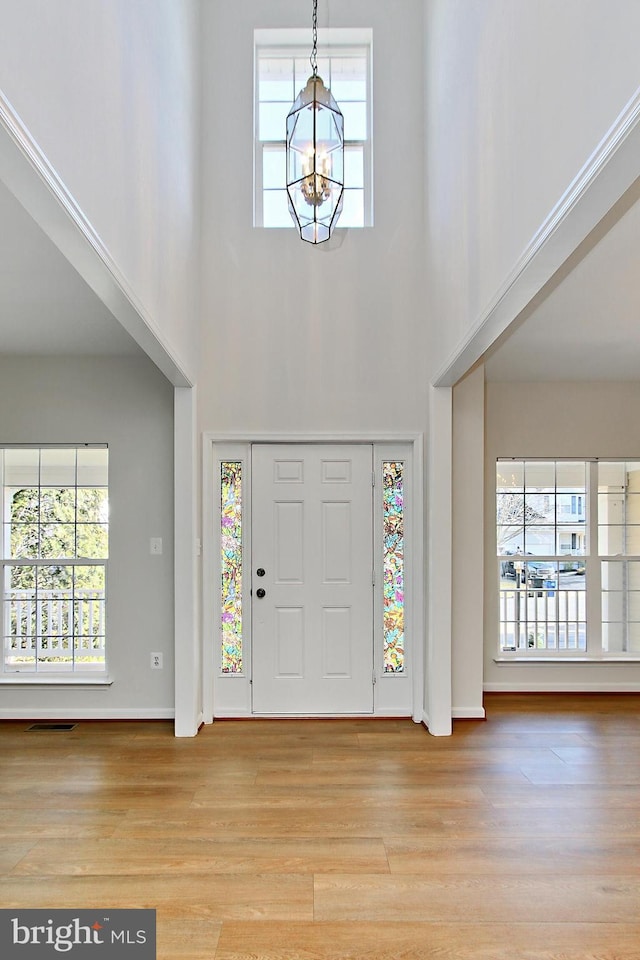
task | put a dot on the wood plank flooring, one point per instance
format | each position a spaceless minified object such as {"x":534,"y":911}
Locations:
{"x":517,"y":838}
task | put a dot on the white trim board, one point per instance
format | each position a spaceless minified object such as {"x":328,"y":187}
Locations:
{"x":606,"y":176}
{"x":560,"y":687}
{"x":439,"y":559}
{"x":53,"y":680}
{"x":468,"y":713}
{"x":186,"y":637}
{"x":350,"y":436}
{"x":86,"y":713}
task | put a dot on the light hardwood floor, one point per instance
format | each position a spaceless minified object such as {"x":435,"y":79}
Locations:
{"x":517,"y":838}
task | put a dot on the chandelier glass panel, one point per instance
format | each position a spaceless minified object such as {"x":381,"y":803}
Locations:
{"x":315,"y":155}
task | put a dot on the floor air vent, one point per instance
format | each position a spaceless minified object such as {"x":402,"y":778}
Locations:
{"x":52,"y":726}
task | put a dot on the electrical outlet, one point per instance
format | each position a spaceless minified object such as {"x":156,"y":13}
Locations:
{"x":156,"y":661}
{"x":155,"y":546}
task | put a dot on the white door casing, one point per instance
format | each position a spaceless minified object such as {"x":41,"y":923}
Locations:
{"x":229,"y":693}
{"x":312,"y":637}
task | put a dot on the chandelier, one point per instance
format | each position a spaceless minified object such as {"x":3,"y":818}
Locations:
{"x":315,"y":155}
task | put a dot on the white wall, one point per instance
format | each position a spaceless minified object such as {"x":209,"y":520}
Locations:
{"x":553,"y":420}
{"x":468,"y":546}
{"x":297,"y":337}
{"x":302,"y":339}
{"x":128,"y":404}
{"x":519,"y":94}
{"x":109,"y":91}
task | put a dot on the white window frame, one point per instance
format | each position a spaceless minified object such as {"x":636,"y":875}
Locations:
{"x":59,"y":673}
{"x":334,"y":42}
{"x":593,"y":561}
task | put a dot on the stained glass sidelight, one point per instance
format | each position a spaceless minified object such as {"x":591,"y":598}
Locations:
{"x":393,"y":566}
{"x":231,"y":565}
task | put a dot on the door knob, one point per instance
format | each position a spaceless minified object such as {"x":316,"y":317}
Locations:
{"x":260,"y":572}
{"x":260,"y":593}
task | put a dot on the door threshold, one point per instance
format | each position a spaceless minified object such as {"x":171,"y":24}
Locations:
{"x":306,"y":716}
{"x":312,"y":716}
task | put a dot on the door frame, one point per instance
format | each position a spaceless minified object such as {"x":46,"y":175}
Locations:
{"x":213,"y":448}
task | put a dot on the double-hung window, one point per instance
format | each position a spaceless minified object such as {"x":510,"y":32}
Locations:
{"x":54,"y":554}
{"x":568,"y":545}
{"x":282,"y":69}
{"x":541,"y":546}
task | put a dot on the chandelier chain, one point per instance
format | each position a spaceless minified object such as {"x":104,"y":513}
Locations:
{"x":313,"y":59}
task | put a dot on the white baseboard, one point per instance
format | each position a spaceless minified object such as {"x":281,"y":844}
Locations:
{"x":468,"y":713}
{"x":87,"y":713}
{"x":562,"y":687}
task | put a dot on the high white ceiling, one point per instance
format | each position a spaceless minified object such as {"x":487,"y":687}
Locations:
{"x":587,"y":326}
{"x":45,"y":306}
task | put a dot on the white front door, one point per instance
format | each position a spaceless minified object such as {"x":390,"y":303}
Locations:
{"x":311,"y":578}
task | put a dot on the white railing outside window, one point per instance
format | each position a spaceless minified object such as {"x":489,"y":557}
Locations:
{"x":54,"y":630}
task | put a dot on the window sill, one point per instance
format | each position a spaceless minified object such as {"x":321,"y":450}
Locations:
{"x":566,"y":660}
{"x":40,"y":680}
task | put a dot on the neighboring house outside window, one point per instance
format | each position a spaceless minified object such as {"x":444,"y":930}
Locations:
{"x":282,"y":69}
{"x":55,"y":545}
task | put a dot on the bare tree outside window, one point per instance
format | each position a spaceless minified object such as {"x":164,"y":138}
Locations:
{"x":512,"y":516}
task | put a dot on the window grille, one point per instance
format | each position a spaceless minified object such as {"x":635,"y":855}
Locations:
{"x":55,"y":544}
{"x":568,"y":545}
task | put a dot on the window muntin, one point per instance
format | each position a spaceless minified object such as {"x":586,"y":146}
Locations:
{"x":533,"y":508}
{"x":55,"y":544}
{"x":282,"y":69}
